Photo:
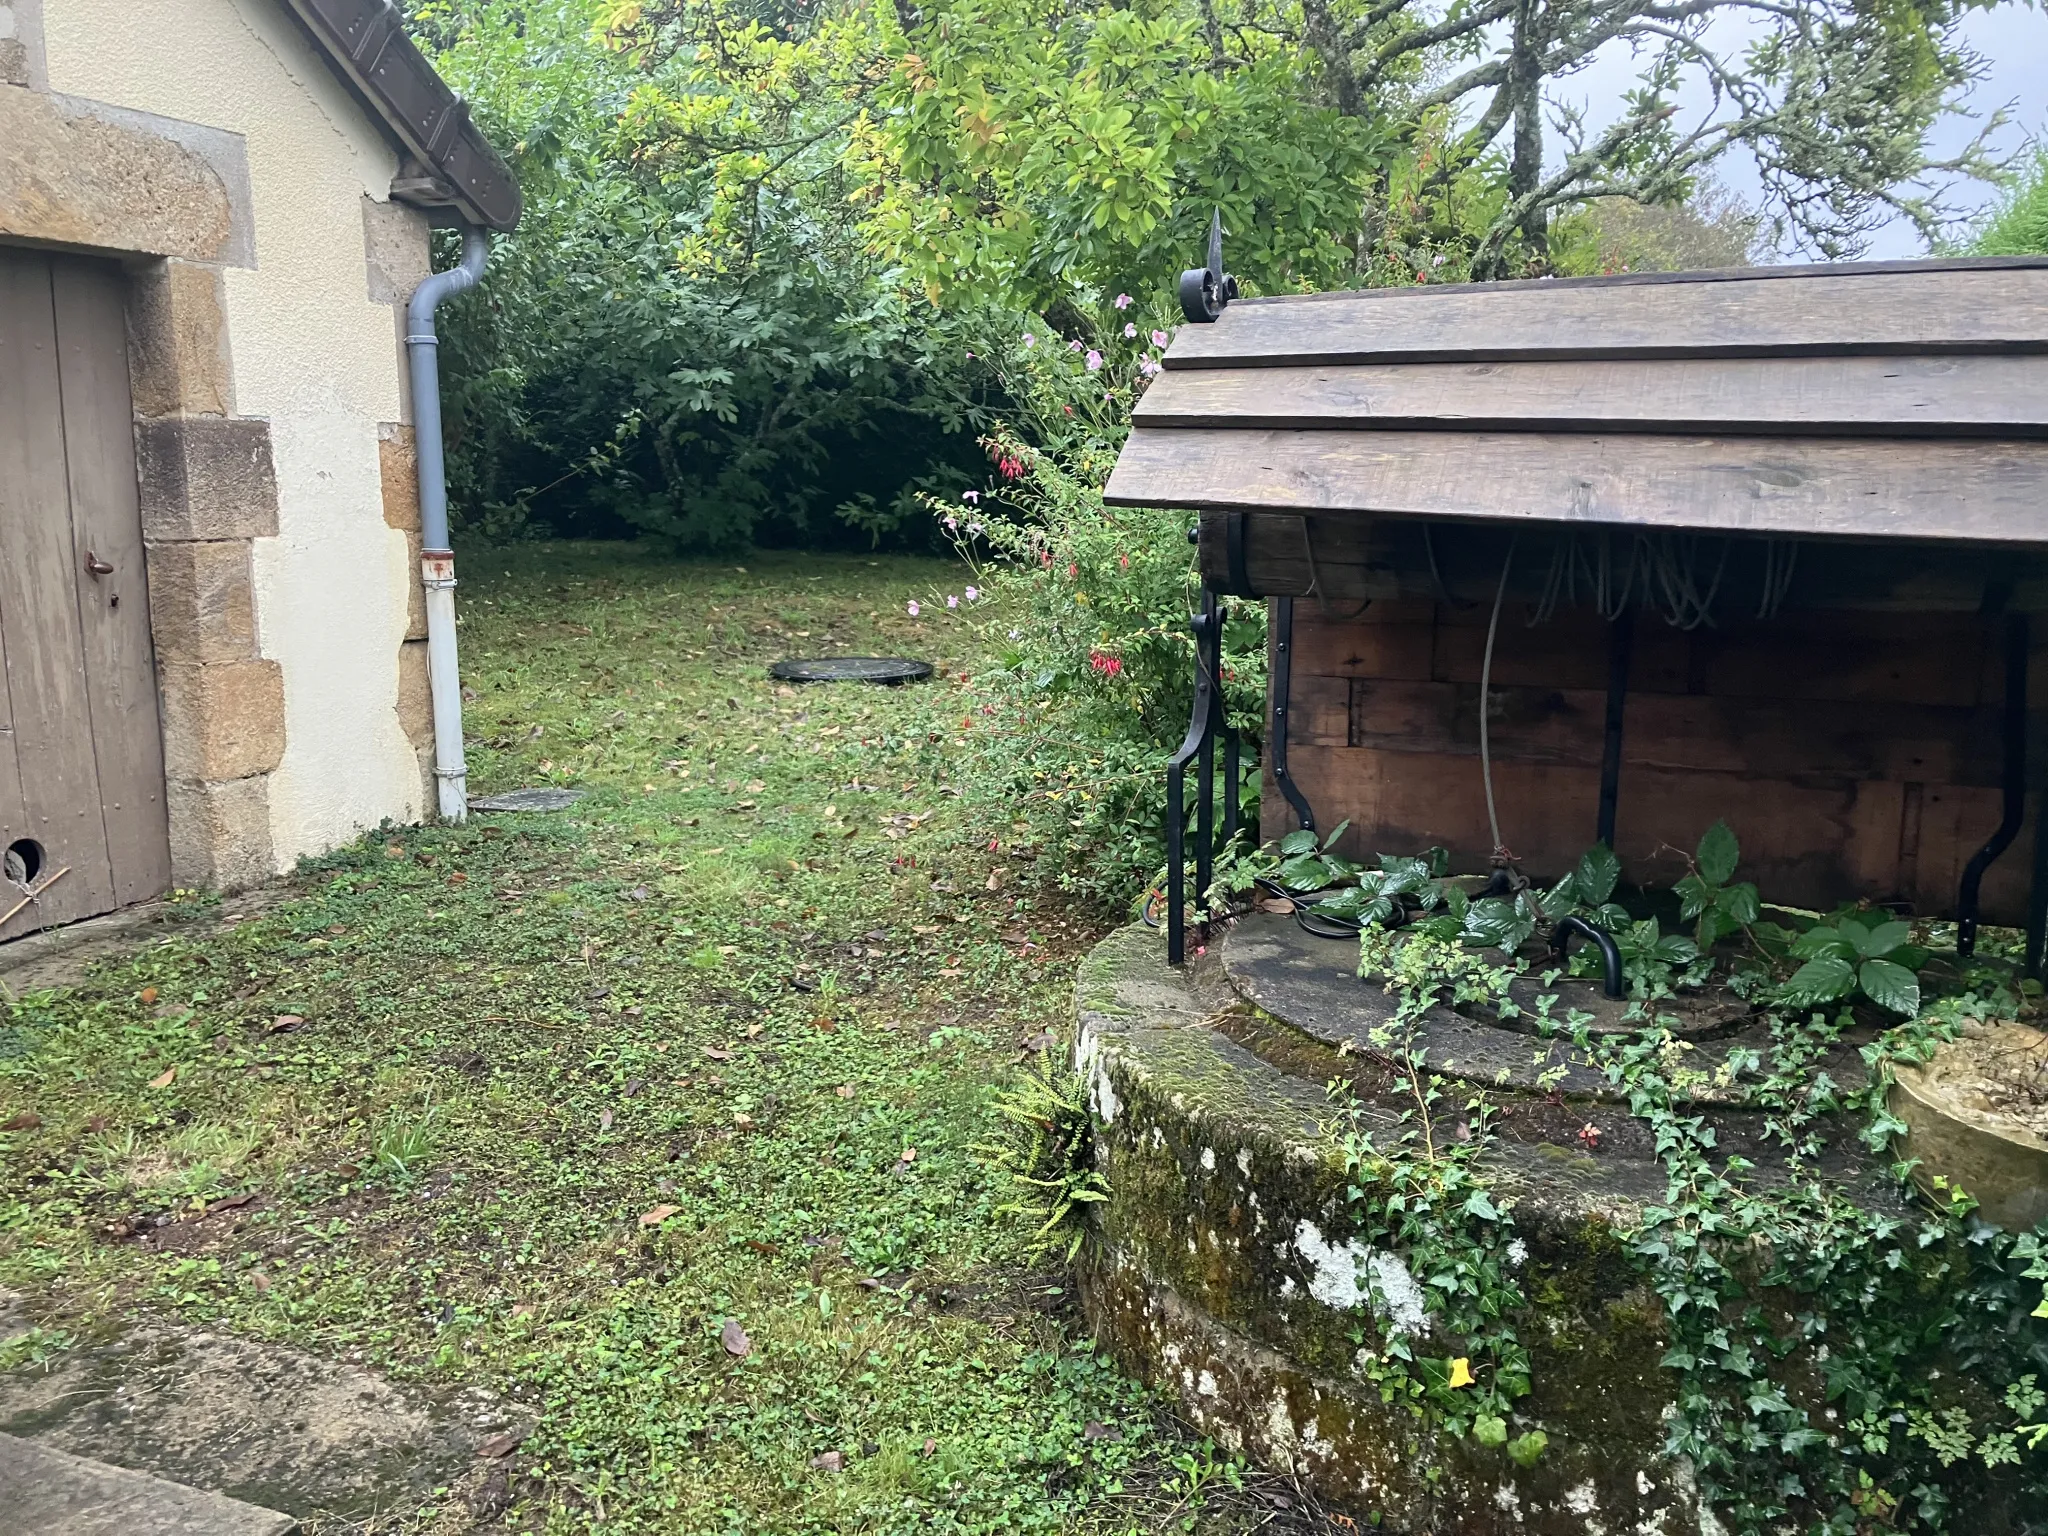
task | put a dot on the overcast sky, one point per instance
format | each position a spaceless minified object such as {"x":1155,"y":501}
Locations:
{"x":2013,"y":38}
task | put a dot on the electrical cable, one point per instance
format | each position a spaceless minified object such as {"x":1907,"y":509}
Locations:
{"x":1485,"y":683}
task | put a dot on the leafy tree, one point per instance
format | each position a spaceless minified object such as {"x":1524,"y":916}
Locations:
{"x":2018,"y":226}
{"x":683,"y":339}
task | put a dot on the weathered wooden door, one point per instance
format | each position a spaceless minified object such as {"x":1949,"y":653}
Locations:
{"x":82,"y":818}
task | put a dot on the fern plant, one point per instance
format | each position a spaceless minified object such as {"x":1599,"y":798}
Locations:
{"x":1048,"y":1158}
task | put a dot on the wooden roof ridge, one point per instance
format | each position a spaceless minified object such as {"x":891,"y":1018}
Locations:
{"x":1776,"y":272}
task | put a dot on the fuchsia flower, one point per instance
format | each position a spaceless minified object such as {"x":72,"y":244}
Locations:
{"x":1159,"y":338}
{"x":1123,"y":301}
{"x":1094,"y":360}
{"x":913,"y":607}
{"x":970,"y":495}
{"x":1130,"y":330}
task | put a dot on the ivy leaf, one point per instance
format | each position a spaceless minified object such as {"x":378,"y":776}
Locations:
{"x":1718,"y":854}
{"x":1823,"y":979}
{"x":1477,"y":1204}
{"x":1883,"y":939}
{"x":1527,"y":1450}
{"x":1890,"y":986}
{"x":1598,"y":869}
{"x":1490,"y":1429}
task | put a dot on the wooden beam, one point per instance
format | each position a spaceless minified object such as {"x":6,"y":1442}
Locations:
{"x":1913,"y":308}
{"x":1998,"y":396}
{"x":1993,"y":492}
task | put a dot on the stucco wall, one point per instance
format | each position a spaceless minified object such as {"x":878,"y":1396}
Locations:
{"x":313,"y":354}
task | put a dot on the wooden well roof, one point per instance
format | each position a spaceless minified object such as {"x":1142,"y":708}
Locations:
{"x":1874,"y":400}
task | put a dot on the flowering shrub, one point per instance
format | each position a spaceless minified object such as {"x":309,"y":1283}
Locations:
{"x":1091,"y":610}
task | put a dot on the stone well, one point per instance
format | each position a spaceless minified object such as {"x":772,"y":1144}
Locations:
{"x":1222,"y":1266}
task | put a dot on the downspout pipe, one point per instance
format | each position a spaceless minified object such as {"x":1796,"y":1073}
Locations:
{"x":437,"y":560}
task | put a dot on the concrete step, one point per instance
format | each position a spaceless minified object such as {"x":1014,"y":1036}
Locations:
{"x":45,"y":1492}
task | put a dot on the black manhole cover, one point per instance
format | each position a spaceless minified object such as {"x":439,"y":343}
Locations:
{"x":851,"y":669}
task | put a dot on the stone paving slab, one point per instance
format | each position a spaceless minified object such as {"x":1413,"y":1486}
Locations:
{"x":52,"y":1493}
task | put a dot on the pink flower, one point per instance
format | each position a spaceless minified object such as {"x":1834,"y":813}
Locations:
{"x":1149,"y":367}
{"x":1073,"y":346}
{"x":1130,"y":330}
{"x":1094,"y":360}
{"x":1124,"y":561}
{"x":970,"y":495}
{"x":1159,"y":338}
{"x":974,"y":528}
{"x":1123,"y":301}
{"x":913,"y":607}
{"x":952,"y":601}
{"x":974,"y":594}
{"x":1030,"y":340}
{"x":970,"y":357}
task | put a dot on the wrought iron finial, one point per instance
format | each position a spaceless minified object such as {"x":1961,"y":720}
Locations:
{"x":1204,"y":291}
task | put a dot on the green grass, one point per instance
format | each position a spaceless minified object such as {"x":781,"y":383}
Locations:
{"x":572,"y":1091}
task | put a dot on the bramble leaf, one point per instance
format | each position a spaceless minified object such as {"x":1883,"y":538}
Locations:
{"x":1821,"y":980}
{"x":1890,"y":986}
{"x":1883,"y":939}
{"x":1297,"y":843}
{"x":1718,"y":854}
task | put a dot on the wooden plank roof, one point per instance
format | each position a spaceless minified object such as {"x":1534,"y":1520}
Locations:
{"x":1887,"y":400}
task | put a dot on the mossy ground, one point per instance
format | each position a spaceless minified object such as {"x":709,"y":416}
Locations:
{"x":570,"y":1092}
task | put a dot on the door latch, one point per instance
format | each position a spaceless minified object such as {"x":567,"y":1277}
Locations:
{"x":96,"y":566}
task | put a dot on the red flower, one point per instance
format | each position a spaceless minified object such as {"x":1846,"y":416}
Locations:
{"x":1107,"y":665}
{"x":1589,"y":1136}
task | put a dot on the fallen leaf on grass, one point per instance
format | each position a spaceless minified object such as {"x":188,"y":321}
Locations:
{"x":229,"y":1203}
{"x":742,"y":1122}
{"x":1095,"y":1429}
{"x":829,"y":1461}
{"x":754,"y":1031}
{"x":498,"y":1447}
{"x":930,"y":1446}
{"x":826,"y":1026}
{"x":164,"y":1079}
{"x":604,"y":1121}
{"x":717,"y":1054}
{"x":27,"y":1120}
{"x":909,"y":1154}
{"x":148,"y":995}
{"x":285,"y":1021}
{"x":658,"y":1215}
{"x":632,"y":1087}
{"x":735,"y":1339}
{"x":260,"y":1281}
{"x":1277,"y":904}
{"x":768,"y":1250}
{"x":844,"y":1090}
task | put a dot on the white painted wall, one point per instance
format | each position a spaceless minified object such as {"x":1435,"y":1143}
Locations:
{"x":312,"y":355}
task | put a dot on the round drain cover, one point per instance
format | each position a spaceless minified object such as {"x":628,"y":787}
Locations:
{"x":852,"y":669}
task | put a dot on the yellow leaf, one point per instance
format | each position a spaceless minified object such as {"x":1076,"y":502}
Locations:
{"x":1461,"y":1372}
{"x":657,"y":1216}
{"x":164,"y":1080}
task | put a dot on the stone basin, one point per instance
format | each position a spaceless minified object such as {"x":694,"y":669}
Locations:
{"x":1223,"y":1268}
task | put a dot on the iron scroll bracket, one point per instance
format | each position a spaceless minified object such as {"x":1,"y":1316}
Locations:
{"x":1283,"y":676}
{"x":2015,"y":785}
{"x":1611,"y":982}
{"x":1208,"y":729}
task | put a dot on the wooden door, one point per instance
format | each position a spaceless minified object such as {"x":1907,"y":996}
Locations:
{"x":82,"y":819}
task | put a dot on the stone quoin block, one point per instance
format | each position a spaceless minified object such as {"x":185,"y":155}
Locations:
{"x":202,"y":601}
{"x":205,"y":477}
{"x":220,"y":833}
{"x":224,"y":721}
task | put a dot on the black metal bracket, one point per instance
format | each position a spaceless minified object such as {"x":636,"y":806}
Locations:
{"x":1276,"y":738}
{"x":1610,"y":956}
{"x":1208,"y":728}
{"x":2015,"y":732}
{"x":1621,"y":636}
{"x":1205,"y":291}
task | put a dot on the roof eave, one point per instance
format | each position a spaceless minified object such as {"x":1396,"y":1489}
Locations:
{"x":450,"y":165}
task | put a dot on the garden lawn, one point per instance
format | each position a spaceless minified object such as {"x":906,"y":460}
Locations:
{"x":657,"y":1115}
